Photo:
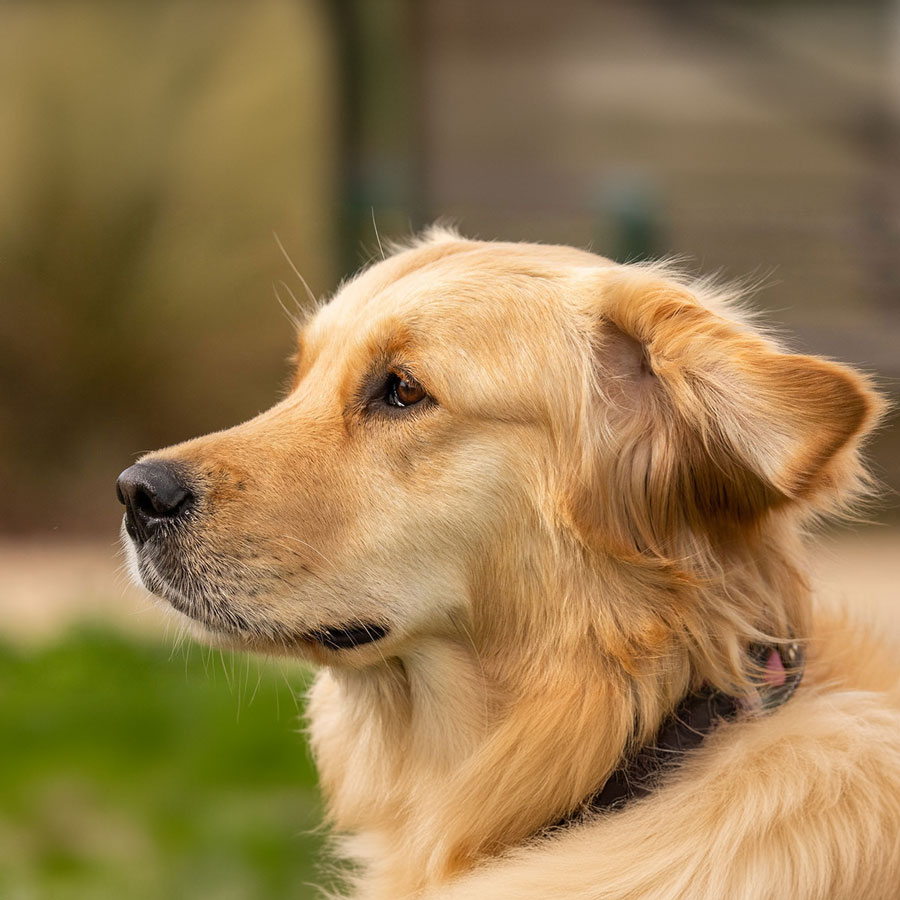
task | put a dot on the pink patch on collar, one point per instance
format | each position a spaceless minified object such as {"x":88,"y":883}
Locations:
{"x":774,"y":674}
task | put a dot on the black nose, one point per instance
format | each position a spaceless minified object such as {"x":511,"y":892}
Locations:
{"x":154,"y":493}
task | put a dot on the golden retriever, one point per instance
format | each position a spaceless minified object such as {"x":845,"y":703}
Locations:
{"x":527,"y":509}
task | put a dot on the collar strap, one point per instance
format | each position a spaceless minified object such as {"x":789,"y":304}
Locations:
{"x":777,"y":672}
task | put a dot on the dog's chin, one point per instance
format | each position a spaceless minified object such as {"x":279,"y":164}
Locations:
{"x":216,"y":621}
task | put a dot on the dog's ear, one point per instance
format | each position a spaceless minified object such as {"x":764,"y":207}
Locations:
{"x":711,"y":423}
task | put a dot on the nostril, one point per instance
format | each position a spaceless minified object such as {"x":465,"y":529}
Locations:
{"x":165,"y":503}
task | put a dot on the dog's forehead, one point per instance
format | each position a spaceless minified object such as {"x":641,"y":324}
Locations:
{"x":454,"y":290}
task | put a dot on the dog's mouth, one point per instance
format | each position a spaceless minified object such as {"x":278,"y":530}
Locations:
{"x":216,"y":612}
{"x":348,"y":636}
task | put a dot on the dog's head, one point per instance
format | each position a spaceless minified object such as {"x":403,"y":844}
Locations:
{"x":475,"y":428}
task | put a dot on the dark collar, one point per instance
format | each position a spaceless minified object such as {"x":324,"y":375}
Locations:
{"x":777,"y":670}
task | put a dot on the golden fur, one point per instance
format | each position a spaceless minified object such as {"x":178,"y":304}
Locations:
{"x":599,"y":508}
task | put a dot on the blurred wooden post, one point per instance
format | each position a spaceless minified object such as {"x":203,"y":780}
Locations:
{"x":380,"y":62}
{"x":880,"y":192}
{"x":628,"y":203}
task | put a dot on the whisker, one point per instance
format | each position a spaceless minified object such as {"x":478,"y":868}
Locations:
{"x":312,"y":297}
{"x":292,"y":295}
{"x":291,"y":690}
{"x":258,"y":682}
{"x":288,"y":537}
{"x":377,"y":237}
{"x":293,"y":319}
{"x":224,"y":669}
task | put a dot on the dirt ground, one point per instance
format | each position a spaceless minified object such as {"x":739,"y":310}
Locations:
{"x":45,"y":588}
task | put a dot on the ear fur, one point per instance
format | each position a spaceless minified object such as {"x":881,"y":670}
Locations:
{"x":716,"y":423}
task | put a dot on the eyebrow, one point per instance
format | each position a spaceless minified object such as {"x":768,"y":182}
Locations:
{"x":401,"y":341}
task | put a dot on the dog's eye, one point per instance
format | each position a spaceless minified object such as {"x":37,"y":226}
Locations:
{"x":403,"y":391}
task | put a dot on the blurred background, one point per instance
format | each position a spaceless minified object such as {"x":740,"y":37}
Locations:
{"x":153,"y":155}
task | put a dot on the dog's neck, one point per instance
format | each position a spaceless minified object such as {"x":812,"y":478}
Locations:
{"x":455,"y":751}
{"x":438,"y":759}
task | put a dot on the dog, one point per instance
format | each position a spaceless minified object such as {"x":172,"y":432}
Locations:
{"x":539,"y":519}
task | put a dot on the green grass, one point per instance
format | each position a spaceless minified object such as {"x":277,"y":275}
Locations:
{"x":127,"y":770}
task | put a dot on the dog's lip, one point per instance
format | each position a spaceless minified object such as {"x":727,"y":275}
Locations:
{"x":347,"y":637}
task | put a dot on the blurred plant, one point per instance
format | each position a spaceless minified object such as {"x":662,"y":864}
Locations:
{"x":147,"y":153}
{"x":136,"y":773}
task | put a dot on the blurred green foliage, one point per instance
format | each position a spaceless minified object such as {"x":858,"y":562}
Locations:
{"x":147,"y":153}
{"x":132,"y":770}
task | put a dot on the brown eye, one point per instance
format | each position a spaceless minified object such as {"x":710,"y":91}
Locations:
{"x":403,"y":391}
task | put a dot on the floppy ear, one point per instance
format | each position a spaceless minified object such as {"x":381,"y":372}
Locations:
{"x":716,"y":423}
